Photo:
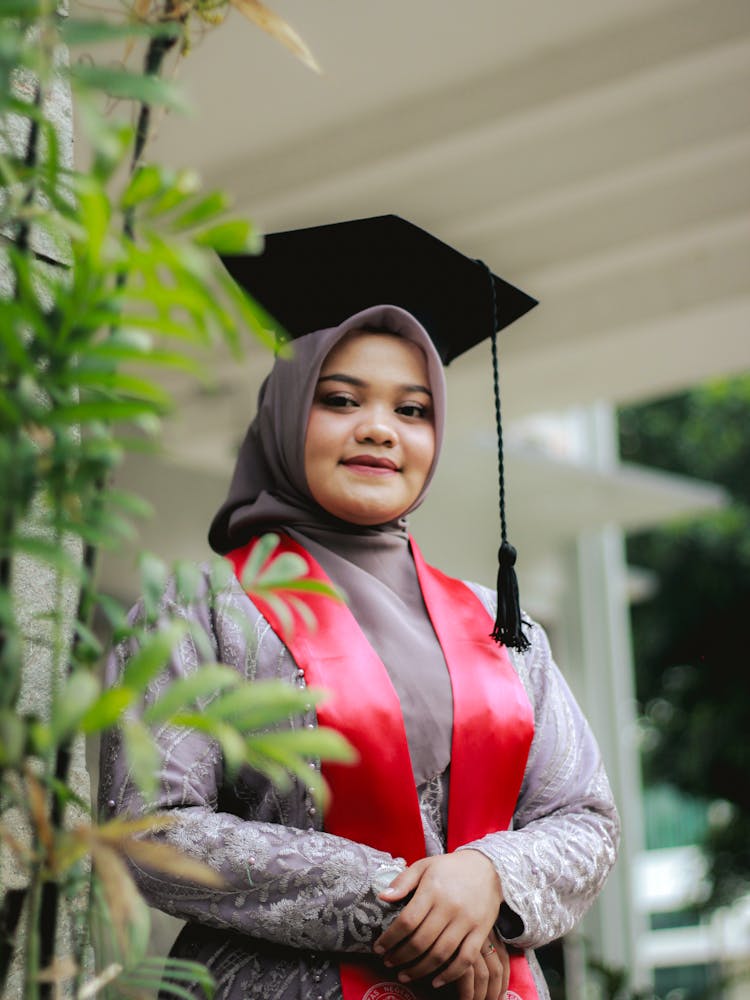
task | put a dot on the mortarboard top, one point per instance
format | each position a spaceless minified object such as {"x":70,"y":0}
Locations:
{"x":311,"y":279}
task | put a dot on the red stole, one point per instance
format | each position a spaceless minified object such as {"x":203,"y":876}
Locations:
{"x":375,"y":802}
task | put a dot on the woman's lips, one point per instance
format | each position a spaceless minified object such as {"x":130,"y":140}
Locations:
{"x":370,"y":464}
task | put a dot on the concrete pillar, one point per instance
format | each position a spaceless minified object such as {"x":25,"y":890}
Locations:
{"x":594,"y":639}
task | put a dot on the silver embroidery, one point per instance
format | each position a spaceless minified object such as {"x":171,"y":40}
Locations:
{"x":293,"y":891}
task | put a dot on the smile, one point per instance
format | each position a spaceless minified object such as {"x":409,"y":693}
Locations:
{"x":370,"y":465}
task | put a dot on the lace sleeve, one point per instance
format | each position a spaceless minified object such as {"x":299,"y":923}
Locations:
{"x":565,"y":834}
{"x":286,"y":881}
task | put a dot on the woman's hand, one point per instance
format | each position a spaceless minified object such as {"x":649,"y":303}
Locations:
{"x":488,"y":978}
{"x":455,"y":902}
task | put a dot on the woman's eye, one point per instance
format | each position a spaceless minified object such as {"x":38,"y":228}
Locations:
{"x":339,"y":400}
{"x":412,"y":410}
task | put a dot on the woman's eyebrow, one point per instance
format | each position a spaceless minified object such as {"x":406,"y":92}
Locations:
{"x":362,"y":384}
{"x":348,"y":379}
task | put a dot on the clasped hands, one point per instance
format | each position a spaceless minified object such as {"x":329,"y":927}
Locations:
{"x":447,"y":925}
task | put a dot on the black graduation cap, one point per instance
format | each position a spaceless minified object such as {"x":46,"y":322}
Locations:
{"x":311,"y":279}
{"x":315,"y":278}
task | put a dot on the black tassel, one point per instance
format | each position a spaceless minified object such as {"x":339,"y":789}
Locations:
{"x":508,"y":620}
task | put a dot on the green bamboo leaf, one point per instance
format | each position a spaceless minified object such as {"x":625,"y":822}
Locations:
{"x":142,"y":755}
{"x":315,"y":783}
{"x":114,"y":612}
{"x":185,"y":184}
{"x":277,"y":771}
{"x":78,"y":693}
{"x":282,"y":611}
{"x":12,"y":738}
{"x":109,"y":140}
{"x":265,"y":545}
{"x":107,"y":710}
{"x":94,"y":212}
{"x":148,"y":181}
{"x":133,"y":386}
{"x":161,"y":323}
{"x":327,"y":744}
{"x":262,"y":703}
{"x":185,"y":691}
{"x":67,"y":796}
{"x":102,"y":379}
{"x":232,"y":746}
{"x":221,"y":574}
{"x":79,"y":31}
{"x":28,"y":10}
{"x":88,"y":646}
{"x":109,"y":352}
{"x":268,"y":331}
{"x":39,"y":738}
{"x":207,"y":208}
{"x":283,"y":570}
{"x":128,"y":86}
{"x":153,"y":574}
{"x":193,"y":719}
{"x":314,"y":587}
{"x":132,"y":983}
{"x":195,"y":299}
{"x":131,"y":503}
{"x":189,"y":581}
{"x":181,"y":970}
{"x":152,"y":657}
{"x":107,"y":410}
{"x":234,"y":237}
{"x":303,"y":609}
{"x":228,"y":736}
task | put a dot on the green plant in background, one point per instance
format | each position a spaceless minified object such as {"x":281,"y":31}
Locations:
{"x":133,"y":286}
{"x":689,"y":637}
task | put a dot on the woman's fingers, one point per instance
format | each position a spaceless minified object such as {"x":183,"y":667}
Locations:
{"x":404,"y":883}
{"x":487,"y":978}
{"x":430,"y":945}
{"x":466,"y":986}
{"x":498,"y":965}
{"x":504,"y":960}
{"x":425,"y":960}
{"x":465,"y":956}
{"x":484,"y":979}
{"x":455,"y":900}
{"x":404,"y":926}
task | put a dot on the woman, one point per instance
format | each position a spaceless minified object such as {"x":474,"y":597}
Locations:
{"x":402,"y":887}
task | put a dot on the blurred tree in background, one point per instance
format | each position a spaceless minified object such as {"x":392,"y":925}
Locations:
{"x":108,"y":279}
{"x":690,"y":646}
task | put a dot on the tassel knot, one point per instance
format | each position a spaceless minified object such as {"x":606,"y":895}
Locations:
{"x":508,"y":621}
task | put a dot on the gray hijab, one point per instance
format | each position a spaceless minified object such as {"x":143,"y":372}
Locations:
{"x":372,"y":565}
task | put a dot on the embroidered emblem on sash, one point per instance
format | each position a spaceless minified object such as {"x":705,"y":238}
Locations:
{"x":510,"y":995}
{"x":389,"y":991}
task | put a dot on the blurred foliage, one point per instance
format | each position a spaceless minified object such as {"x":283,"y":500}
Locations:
{"x":113,"y":280}
{"x":690,"y":643}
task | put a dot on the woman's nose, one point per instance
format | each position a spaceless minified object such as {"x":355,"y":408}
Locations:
{"x":375,"y":430}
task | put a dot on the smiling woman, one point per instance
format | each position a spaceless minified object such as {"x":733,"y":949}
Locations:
{"x":477,"y":822}
{"x":370,"y":441}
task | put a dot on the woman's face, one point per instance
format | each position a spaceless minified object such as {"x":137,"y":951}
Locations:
{"x":370,"y":437}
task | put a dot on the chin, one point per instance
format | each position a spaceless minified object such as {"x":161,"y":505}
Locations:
{"x":369,"y":518}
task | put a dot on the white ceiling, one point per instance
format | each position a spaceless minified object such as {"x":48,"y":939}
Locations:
{"x":595,"y":152}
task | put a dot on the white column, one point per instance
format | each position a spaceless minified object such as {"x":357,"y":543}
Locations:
{"x":594,"y":634}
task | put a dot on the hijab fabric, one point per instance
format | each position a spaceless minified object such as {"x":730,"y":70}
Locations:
{"x":371,"y":564}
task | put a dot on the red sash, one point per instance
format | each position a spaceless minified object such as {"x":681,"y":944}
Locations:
{"x":375,"y":802}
